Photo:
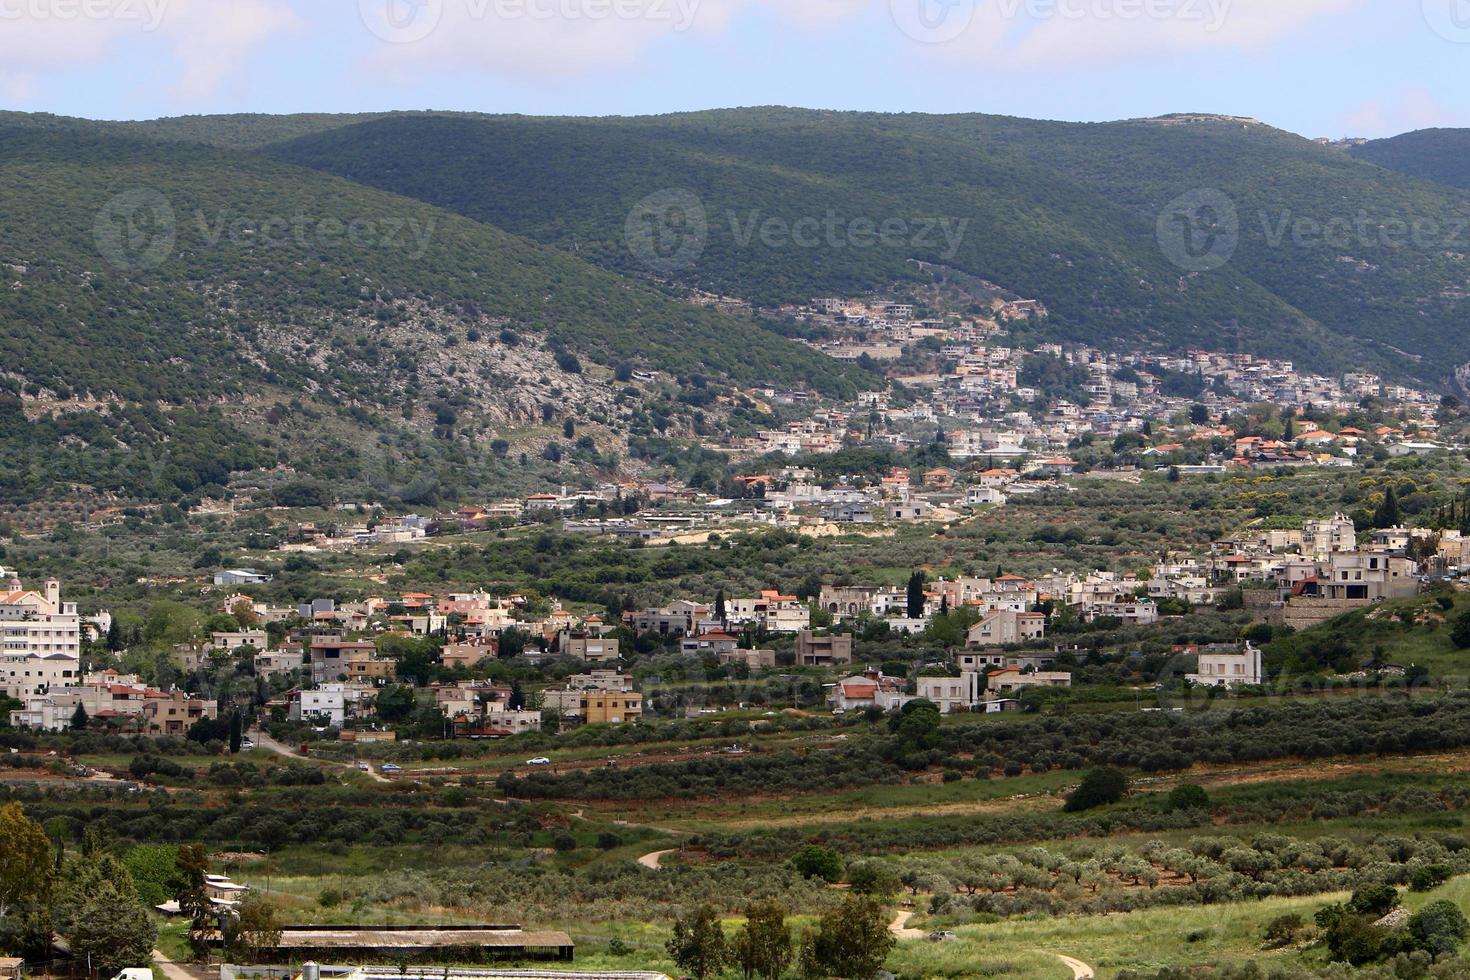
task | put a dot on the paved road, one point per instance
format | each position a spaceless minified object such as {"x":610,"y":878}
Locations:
{"x":1080,"y":970}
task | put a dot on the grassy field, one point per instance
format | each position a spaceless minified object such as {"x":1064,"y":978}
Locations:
{"x":1026,"y":949}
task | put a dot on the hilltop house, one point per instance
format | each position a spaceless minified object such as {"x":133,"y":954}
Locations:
{"x":1006,"y":627}
{"x":1228,"y":667}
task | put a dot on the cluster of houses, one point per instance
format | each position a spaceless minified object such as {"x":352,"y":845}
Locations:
{"x":987,"y":681}
{"x":980,"y":402}
{"x":980,"y":375}
{"x":41,"y":640}
{"x":124,"y":701}
{"x":1289,"y":576}
{"x":1303,"y":576}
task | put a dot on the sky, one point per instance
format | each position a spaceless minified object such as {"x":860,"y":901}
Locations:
{"x":1315,"y":67}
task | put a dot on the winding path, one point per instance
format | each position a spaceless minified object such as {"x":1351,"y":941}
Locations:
{"x":900,"y":927}
{"x":1080,"y":970}
{"x":264,"y":741}
{"x":655,"y":860}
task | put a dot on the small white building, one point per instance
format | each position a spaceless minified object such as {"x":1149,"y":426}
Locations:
{"x":241,"y":576}
{"x":979,"y":496}
{"x":1229,"y":668}
{"x":327,"y":705}
{"x":952,"y":694}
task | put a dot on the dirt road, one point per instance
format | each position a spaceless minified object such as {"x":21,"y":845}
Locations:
{"x":655,"y":860}
{"x":1080,"y":970}
{"x":264,"y":741}
{"x":899,"y":927}
{"x":171,"y":969}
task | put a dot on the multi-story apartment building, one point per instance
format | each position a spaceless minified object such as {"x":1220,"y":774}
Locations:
{"x":40,"y":639}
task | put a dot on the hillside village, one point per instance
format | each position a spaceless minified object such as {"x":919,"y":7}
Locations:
{"x":968,"y":387}
{"x":337,"y":665}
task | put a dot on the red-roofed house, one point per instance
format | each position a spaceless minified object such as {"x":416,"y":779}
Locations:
{"x":867,"y":690}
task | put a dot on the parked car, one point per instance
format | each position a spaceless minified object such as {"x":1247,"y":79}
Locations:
{"x":539,"y":761}
{"x":390,"y":767}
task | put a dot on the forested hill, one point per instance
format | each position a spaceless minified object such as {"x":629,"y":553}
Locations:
{"x":164,"y":293}
{"x":1066,"y":213}
{"x":1440,"y":155}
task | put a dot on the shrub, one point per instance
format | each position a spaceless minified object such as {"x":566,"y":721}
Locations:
{"x":1098,"y":788}
{"x":1189,"y":797}
{"x":1283,"y":930}
{"x":1376,"y":900}
{"x":1439,"y":928}
{"x":1460,"y":631}
{"x":818,"y":862}
{"x":1427,"y":877}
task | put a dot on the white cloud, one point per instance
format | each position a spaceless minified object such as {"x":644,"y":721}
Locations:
{"x":1069,"y":33}
{"x":1415,"y":108}
{"x":214,"y":38}
{"x":17,"y":89}
{"x":558,"y":37}
{"x":210,"y":39}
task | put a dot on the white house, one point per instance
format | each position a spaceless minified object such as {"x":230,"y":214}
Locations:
{"x":325,"y":706}
{"x":241,"y":576}
{"x":953,"y":694}
{"x":977,"y":496}
{"x":1228,"y":668}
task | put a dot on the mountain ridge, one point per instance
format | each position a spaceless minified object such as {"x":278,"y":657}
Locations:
{"x":1062,"y":212}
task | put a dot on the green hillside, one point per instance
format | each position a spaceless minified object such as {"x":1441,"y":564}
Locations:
{"x":187,"y":279}
{"x":1440,"y":155}
{"x":1066,"y":213}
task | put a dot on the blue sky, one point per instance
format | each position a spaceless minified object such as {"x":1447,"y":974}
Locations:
{"x":1316,"y":67}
